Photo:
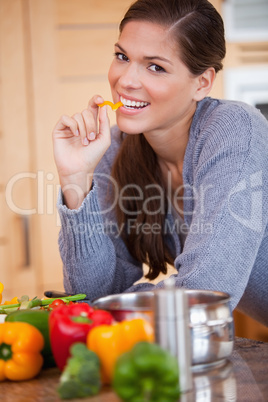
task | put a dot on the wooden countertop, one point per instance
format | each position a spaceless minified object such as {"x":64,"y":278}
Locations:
{"x":244,"y":377}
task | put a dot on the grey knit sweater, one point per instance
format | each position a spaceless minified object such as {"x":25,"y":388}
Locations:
{"x":225,"y":177}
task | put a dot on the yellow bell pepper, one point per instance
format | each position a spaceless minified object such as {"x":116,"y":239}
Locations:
{"x":20,"y":351}
{"x":1,"y":290}
{"x":12,"y":301}
{"x":110,"y":341}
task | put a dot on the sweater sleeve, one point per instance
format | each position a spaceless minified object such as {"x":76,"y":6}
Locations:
{"x":225,"y":205}
{"x":94,"y":262}
{"x":229,"y":217}
{"x":95,"y":259}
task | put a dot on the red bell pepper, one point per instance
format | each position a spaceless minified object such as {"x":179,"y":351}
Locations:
{"x":69,"y":324}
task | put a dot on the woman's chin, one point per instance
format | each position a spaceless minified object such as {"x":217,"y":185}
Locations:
{"x":130,"y":127}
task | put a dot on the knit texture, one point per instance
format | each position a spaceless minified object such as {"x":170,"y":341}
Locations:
{"x":225,"y":177}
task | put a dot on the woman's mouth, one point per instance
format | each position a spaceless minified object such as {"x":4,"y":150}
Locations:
{"x":131,"y":104}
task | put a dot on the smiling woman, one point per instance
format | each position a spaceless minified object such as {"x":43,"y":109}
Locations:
{"x":147,"y":71}
{"x":188,"y":172}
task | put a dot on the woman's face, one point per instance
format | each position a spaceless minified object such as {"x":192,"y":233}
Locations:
{"x":147,"y":75}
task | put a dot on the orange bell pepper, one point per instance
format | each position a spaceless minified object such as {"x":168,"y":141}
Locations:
{"x":113,"y":106}
{"x":110,"y":341}
{"x":20,"y":351}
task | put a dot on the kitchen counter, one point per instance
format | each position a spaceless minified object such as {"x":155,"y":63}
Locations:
{"x":244,"y":377}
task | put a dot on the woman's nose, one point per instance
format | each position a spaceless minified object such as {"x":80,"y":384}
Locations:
{"x":130,"y":77}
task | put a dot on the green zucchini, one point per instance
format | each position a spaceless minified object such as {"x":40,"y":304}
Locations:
{"x":39,"y":319}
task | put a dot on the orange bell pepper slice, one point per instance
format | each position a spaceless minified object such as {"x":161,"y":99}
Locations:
{"x":20,"y":351}
{"x":114,"y":106}
{"x":110,"y":341}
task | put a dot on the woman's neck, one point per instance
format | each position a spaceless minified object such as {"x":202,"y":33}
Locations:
{"x":170,"y":145}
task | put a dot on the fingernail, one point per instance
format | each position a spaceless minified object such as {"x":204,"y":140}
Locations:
{"x":92,"y":136}
{"x":85,"y":142}
{"x":77,"y":133}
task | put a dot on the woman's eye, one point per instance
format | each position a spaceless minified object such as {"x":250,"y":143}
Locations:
{"x":156,"y":68}
{"x":121,"y":56}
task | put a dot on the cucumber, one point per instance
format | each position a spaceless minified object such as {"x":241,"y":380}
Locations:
{"x":39,"y":319}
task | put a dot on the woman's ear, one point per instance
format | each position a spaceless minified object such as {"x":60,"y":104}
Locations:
{"x":205,"y":82}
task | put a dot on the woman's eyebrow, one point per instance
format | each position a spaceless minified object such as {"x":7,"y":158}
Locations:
{"x":120,"y":47}
{"x":158,"y":58}
{"x":146,"y":57}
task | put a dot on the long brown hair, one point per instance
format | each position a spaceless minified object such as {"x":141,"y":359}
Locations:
{"x":197,"y":29}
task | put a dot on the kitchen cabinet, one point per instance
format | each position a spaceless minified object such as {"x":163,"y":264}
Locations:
{"x":246,"y":327}
{"x":17,"y":159}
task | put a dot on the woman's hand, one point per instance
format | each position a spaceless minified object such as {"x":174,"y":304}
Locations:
{"x":79,"y":143}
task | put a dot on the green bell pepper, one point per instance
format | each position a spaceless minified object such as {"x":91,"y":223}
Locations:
{"x":147,"y":373}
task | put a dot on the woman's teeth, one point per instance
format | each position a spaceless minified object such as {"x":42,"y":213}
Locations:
{"x":133,"y":104}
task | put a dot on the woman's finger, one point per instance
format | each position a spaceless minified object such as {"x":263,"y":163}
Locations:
{"x":93,"y":105}
{"x":104,"y":125}
{"x":67,"y":122}
{"x":90,"y":124}
{"x":81,"y":128}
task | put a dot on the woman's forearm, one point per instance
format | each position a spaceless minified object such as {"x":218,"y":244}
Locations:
{"x":75,"y":189}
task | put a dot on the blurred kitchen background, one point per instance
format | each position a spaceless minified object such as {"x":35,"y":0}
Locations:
{"x":54,"y":55}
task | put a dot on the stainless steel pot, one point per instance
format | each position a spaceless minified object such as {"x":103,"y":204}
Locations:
{"x":210,"y":321}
